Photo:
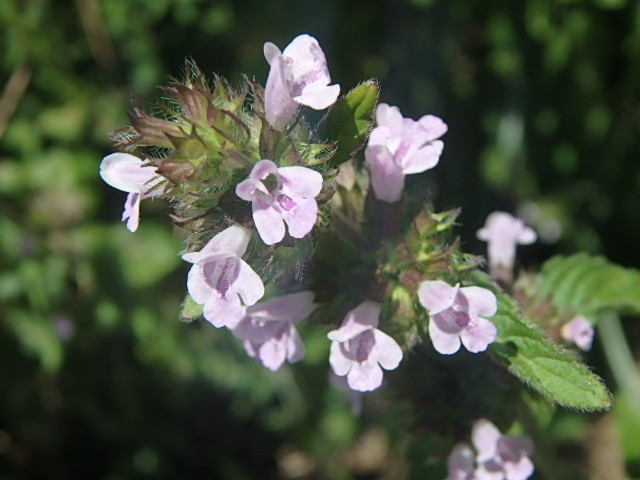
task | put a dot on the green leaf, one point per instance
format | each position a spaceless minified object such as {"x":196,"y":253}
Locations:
{"x":349,"y":121}
{"x":590,"y":285}
{"x":554,"y":372}
{"x":190,"y":310}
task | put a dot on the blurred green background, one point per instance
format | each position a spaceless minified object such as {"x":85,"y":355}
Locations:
{"x":99,"y":379}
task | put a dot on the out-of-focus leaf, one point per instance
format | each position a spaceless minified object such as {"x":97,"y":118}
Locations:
{"x":590,"y":285}
{"x":147,"y":255}
{"x":190,"y":310}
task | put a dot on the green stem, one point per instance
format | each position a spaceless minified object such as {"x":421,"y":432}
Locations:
{"x":620,"y":359}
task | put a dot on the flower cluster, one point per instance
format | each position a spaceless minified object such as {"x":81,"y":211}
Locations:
{"x":496,"y":456}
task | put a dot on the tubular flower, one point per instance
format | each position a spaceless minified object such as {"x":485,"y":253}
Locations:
{"x":290,"y":200}
{"x":503,"y":232}
{"x":400,"y":146}
{"x":268,"y":329}
{"x":578,"y":331}
{"x":130,"y":174}
{"x":501,"y":456}
{"x":219,"y":277}
{"x":359,"y":349}
{"x":298,"y":76}
{"x":457,"y":315}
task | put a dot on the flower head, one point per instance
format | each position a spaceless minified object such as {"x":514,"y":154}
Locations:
{"x":400,"y":146}
{"x":503,"y":232}
{"x":457,"y":315}
{"x":359,"y":349}
{"x":219,"y":277}
{"x":578,"y":331}
{"x":130,"y":174}
{"x":501,"y":456}
{"x":268,"y":329}
{"x":290,"y":198}
{"x":298,"y":76}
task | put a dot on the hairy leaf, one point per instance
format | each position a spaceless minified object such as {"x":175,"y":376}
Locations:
{"x":349,"y":121}
{"x":590,"y":284}
{"x":551,"y":370}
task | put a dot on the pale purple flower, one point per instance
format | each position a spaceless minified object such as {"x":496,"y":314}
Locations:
{"x":401,"y":146}
{"x":457,"y":315}
{"x":219,"y":277}
{"x":461,"y":463}
{"x":268,"y":329}
{"x":298,"y":76}
{"x":130,"y":174}
{"x":578,"y":331}
{"x":503,"y":232}
{"x":501,"y":456}
{"x":290,"y":198}
{"x":359,"y":349}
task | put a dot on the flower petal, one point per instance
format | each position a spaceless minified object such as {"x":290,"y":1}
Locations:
{"x":388,"y":116}
{"x":197,"y":285}
{"x":300,"y":182}
{"x":423,"y":158}
{"x":279,"y":107}
{"x":272,"y":353}
{"x":386,"y":351}
{"x":223,"y":311}
{"x":436,"y":295}
{"x":485,"y":436}
{"x":365,"y":376}
{"x":127,"y":173}
{"x":364,"y":317}
{"x":132,"y":211}
{"x":434,"y":126}
{"x":301,"y":218}
{"x":481,"y":301}
{"x":318,"y":97}
{"x":295,"y":347}
{"x":248,"y":284}
{"x":520,"y":470}
{"x":338,"y":360}
{"x":444,"y":343}
{"x":292,"y":307}
{"x":478,"y":335}
{"x":269,"y":222}
{"x":387,"y":178}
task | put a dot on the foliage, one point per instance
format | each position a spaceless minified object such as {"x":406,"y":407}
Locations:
{"x":540,"y":97}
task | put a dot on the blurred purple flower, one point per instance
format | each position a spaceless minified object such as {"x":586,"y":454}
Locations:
{"x":359,"y":349}
{"x":400,"y":146}
{"x":461,"y":463}
{"x":501,"y":456}
{"x":457,"y":315}
{"x":130,"y":174}
{"x":268,"y":329}
{"x":298,"y":76}
{"x":578,"y":331}
{"x":291,"y":199}
{"x":503,"y":232}
{"x":219,"y":277}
